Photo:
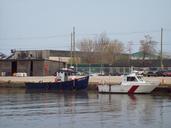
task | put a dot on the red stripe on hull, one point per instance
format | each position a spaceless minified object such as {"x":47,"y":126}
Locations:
{"x":132,"y":89}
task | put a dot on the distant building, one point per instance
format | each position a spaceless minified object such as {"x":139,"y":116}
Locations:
{"x":139,"y":56}
{"x":55,"y":55}
{"x":33,"y":62}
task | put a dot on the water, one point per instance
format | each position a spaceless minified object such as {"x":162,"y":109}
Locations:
{"x":21,"y":109}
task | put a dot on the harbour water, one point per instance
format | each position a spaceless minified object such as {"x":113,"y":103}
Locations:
{"x":22,"y":109}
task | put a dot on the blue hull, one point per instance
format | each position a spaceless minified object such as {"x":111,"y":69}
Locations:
{"x":77,"y":84}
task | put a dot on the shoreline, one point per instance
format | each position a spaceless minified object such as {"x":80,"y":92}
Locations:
{"x":19,"y":82}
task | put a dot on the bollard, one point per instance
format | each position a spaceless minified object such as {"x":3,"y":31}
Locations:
{"x":162,"y":81}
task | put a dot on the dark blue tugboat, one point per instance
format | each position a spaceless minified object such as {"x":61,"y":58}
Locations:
{"x":62,"y":82}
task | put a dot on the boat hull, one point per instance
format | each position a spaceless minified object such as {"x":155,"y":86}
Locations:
{"x":130,"y":89}
{"x":77,"y":84}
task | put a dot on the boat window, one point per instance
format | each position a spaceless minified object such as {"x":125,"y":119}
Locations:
{"x":131,"y":79}
{"x":140,"y":78}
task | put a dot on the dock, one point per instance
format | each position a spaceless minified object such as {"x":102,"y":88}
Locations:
{"x":18,"y":82}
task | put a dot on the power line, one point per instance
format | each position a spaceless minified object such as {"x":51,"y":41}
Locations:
{"x":168,"y":29}
{"x":34,"y":37}
{"x":130,"y":33}
{"x":121,"y":33}
{"x":79,"y":34}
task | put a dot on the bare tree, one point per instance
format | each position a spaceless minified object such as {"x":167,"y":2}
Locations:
{"x":101,"y":48}
{"x":147,"y":47}
{"x":86,"y":46}
{"x":102,"y":51}
{"x":116,"y":48}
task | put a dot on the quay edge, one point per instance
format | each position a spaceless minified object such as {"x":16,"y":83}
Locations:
{"x":19,"y":82}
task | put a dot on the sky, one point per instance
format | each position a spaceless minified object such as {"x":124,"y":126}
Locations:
{"x":47,"y":24}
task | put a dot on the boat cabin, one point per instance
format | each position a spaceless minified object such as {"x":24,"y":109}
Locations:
{"x":133,"y":78}
{"x":63,"y":74}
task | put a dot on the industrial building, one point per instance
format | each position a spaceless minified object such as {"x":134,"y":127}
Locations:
{"x":33,"y":63}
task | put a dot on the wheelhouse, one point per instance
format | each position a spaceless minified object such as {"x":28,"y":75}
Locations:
{"x":63,"y":74}
{"x":133,"y":78}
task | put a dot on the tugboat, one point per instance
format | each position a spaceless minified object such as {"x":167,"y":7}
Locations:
{"x":131,"y":83}
{"x":63,"y":81}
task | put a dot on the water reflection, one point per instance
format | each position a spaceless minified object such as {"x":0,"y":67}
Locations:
{"x":82,"y":109}
{"x":137,"y":110}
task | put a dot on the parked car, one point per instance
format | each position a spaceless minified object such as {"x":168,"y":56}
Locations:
{"x":139,"y":72}
{"x":151,"y":73}
{"x":167,"y":73}
{"x":93,"y":74}
{"x":115,"y":74}
{"x":80,"y":73}
{"x":160,"y":73}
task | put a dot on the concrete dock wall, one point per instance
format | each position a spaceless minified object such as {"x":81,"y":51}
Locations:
{"x":92,"y":80}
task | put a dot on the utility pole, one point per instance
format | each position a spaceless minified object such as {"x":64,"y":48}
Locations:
{"x":71,"y":51}
{"x":161,"y":51}
{"x":130,"y":43}
{"x":74,"y":44}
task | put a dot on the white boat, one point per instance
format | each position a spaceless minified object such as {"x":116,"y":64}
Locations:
{"x":131,"y":83}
